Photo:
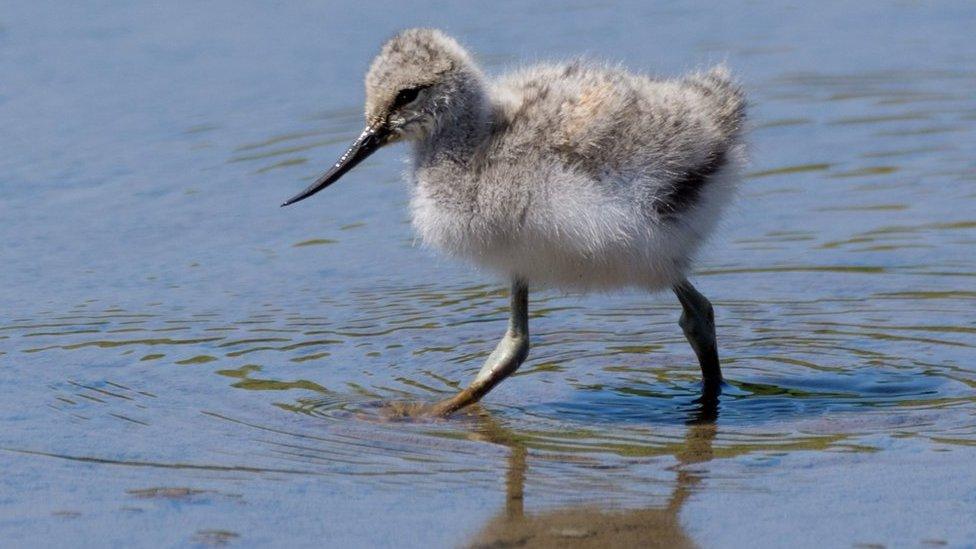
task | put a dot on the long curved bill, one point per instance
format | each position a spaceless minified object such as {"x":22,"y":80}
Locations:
{"x":372,"y":138}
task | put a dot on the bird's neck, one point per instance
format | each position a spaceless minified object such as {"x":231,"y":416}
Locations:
{"x":458,"y":136}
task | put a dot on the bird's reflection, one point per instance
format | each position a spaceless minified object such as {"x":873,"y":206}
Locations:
{"x":591,"y":526}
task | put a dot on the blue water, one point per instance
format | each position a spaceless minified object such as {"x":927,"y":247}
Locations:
{"x":184,"y":363}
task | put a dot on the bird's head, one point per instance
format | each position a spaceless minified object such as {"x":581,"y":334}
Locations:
{"x":417,"y":83}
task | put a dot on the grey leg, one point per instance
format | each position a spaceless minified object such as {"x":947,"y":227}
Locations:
{"x":505,"y":359}
{"x":698,"y":323}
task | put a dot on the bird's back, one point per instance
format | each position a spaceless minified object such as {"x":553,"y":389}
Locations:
{"x":665,"y":136}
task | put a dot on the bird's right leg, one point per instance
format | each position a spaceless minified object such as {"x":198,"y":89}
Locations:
{"x":698,"y":323}
{"x":505,"y":359}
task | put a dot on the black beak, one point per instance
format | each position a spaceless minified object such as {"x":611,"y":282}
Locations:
{"x":372,"y":138}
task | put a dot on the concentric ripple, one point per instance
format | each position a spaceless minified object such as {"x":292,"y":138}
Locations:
{"x":608,"y":384}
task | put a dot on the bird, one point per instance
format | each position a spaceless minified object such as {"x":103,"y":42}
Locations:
{"x":576,"y":175}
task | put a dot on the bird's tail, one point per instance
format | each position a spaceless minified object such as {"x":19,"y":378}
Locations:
{"x":718,"y":85}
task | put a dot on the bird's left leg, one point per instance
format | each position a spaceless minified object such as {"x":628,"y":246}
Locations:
{"x":505,"y":359}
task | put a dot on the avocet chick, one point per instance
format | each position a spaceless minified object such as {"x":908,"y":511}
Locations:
{"x":577,"y":175}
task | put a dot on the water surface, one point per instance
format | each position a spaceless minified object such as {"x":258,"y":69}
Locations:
{"x":184,"y":363}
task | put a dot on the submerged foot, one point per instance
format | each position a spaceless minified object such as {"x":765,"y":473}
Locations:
{"x":706,"y":405}
{"x":400,"y":410}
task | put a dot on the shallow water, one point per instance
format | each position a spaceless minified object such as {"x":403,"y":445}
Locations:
{"x":185,"y":363}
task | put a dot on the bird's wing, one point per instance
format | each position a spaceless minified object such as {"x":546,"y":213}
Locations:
{"x":668,"y":135}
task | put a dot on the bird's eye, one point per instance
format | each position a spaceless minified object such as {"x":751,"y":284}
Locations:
{"x":405,"y":97}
